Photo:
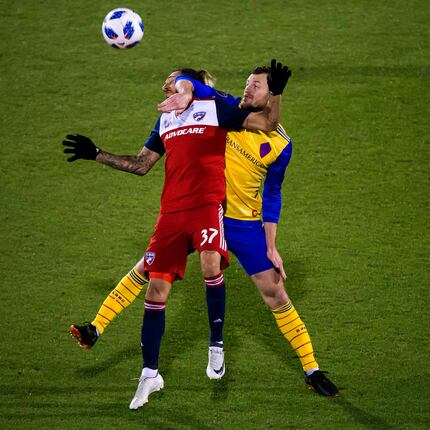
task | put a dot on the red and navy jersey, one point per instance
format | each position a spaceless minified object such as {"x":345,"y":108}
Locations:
{"x":194,"y":144}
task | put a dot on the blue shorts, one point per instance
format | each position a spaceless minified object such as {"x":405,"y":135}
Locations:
{"x":247,"y":241}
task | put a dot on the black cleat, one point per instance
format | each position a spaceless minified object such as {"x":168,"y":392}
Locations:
{"x":86,"y":334}
{"x":321,"y":384}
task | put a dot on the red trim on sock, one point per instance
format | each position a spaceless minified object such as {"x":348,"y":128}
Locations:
{"x":154,"y":306}
{"x":214,"y":281}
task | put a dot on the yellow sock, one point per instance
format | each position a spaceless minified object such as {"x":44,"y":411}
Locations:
{"x":120,"y":297}
{"x":294,"y":330}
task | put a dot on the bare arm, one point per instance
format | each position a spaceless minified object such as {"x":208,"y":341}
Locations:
{"x":139,"y":164}
{"x":272,"y":253}
{"x":268,"y":118}
{"x":179,"y":101}
{"x":83,"y":148}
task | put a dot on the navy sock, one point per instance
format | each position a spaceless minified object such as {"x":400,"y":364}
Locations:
{"x":154,"y":321}
{"x":215,"y":299}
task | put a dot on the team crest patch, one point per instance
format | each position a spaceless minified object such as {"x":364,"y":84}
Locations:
{"x":150,"y":257}
{"x":265,"y":148}
{"x":198,"y":116}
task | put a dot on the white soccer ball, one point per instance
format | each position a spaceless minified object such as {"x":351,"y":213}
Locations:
{"x":122,"y":28}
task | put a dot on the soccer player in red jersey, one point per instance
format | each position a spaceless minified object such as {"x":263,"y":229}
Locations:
{"x":190,"y":212}
{"x":257,"y":160}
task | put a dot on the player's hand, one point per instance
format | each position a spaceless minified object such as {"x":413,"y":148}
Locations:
{"x":278,"y":78}
{"x":177,"y":102}
{"x":274,"y":256}
{"x":81,"y":147}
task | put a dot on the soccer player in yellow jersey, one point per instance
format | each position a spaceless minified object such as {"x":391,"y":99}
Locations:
{"x":255,"y":159}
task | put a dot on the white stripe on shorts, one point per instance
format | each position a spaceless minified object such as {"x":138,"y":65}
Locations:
{"x":222,"y":241}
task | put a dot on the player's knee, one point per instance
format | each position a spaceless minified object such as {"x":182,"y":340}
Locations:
{"x":282,"y":296}
{"x":155,"y":295}
{"x":158,"y":290}
{"x":210,"y":270}
{"x":210,"y":262}
{"x":274,"y":296}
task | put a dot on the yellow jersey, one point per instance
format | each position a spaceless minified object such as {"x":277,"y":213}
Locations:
{"x":254,"y":158}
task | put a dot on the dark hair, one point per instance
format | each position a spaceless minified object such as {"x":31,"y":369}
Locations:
{"x":261,"y":69}
{"x":202,"y":76}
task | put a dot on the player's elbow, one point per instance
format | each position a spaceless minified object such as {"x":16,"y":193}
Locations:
{"x":141,"y":170}
{"x":270,"y":125}
{"x":144,"y":162}
{"x":184,"y":86}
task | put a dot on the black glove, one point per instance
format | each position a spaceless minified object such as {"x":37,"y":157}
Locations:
{"x":278,"y":77}
{"x":81,"y":147}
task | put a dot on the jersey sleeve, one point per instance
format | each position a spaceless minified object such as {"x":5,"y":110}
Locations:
{"x":230,"y":117}
{"x":272,"y":199}
{"x":154,"y":142}
{"x":202,"y":91}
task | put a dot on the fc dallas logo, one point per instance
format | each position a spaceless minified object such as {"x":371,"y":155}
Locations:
{"x":150,"y":257}
{"x":198,"y":116}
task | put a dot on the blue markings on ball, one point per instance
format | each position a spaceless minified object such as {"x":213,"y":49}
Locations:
{"x":141,"y":26}
{"x":117,"y":14}
{"x":132,"y":44}
{"x":110,"y":33}
{"x":128,"y":30}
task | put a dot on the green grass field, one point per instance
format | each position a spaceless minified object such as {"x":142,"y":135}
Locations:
{"x":354,"y":232}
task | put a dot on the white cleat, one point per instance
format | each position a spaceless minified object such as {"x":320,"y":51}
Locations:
{"x":145,"y":388}
{"x":216,"y":366}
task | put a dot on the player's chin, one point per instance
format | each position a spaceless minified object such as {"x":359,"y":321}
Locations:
{"x":244,"y":103}
{"x":250,"y":107}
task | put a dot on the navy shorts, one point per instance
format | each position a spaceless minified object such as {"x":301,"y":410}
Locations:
{"x":247,"y":241}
